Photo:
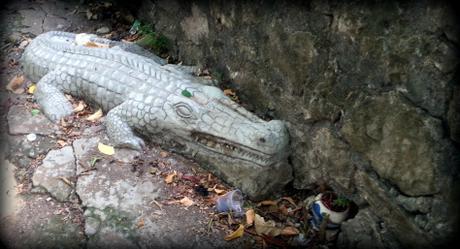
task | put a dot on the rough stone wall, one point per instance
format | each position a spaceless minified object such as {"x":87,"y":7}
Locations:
{"x":369,"y":90}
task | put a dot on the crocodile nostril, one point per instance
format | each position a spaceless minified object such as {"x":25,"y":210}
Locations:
{"x":262,"y":140}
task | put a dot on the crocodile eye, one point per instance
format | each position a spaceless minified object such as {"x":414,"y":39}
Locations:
{"x":183,"y":110}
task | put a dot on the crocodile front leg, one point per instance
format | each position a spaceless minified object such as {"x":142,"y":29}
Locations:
{"x":118,"y":129}
{"x":50,"y":98}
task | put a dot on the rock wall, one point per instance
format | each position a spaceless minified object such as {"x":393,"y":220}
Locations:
{"x":369,"y":91}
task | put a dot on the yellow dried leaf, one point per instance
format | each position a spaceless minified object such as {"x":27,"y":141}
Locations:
{"x":80,"y":107}
{"x":15,"y":84}
{"x":236,"y":234}
{"x":170,"y":178}
{"x":250,"y":217}
{"x":91,"y":44}
{"x":219,"y":191}
{"x":32,"y":89}
{"x":186,"y":201}
{"x":105,"y":149}
{"x":95,"y":116}
{"x":265,"y":227}
{"x":289,"y":231}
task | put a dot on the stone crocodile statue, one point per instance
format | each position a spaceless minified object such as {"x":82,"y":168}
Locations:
{"x":166,"y":103}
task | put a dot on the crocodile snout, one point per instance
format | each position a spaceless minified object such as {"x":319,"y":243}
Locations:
{"x":273,"y":137}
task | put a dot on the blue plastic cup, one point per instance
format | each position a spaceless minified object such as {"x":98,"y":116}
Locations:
{"x":231,"y":202}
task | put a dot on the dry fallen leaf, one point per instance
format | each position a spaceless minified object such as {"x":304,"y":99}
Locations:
{"x":289,"y":231}
{"x":32,"y":88}
{"x":140,"y":223}
{"x":69,"y":97}
{"x":106,"y":149}
{"x":95,"y":116}
{"x":284,"y":210}
{"x":219,"y":191}
{"x":266,"y":227}
{"x":24,"y":43}
{"x":250,"y":217}
{"x":290,"y":200}
{"x":15,"y":84}
{"x":229,"y":92}
{"x":236,"y":234}
{"x":186,"y":201}
{"x":170,"y":178}
{"x":66,"y":181}
{"x":164,"y":154}
{"x":267,"y":203}
{"x":62,"y":143}
{"x":95,"y":45}
{"x":158,"y":204}
{"x":80,"y":107}
{"x":84,"y":39}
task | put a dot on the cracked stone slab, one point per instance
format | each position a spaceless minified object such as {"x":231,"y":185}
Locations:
{"x":57,"y":166}
{"x":86,"y":150}
{"x":21,"y":121}
{"x":115,"y":186}
{"x":114,"y":198}
{"x":22,"y":151}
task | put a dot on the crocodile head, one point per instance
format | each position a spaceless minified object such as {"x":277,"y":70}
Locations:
{"x":211,"y":125}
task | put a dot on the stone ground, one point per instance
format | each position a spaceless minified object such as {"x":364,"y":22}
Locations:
{"x":59,"y":191}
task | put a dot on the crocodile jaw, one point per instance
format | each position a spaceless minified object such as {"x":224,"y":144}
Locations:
{"x":224,"y":130}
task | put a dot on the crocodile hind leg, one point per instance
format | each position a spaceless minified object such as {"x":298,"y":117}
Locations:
{"x":50,"y":98}
{"x":119,"y":130}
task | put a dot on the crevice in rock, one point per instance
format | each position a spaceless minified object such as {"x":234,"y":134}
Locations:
{"x":43,"y":20}
{"x":79,"y":201}
{"x":421,"y":108}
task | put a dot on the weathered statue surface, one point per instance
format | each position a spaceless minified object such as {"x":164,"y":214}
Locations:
{"x":143,"y":95}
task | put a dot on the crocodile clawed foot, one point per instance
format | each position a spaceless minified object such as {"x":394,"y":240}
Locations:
{"x":134,"y":143}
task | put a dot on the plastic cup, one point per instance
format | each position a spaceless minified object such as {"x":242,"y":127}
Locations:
{"x":231,"y":202}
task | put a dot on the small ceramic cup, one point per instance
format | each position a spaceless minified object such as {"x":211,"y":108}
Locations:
{"x":319,"y":209}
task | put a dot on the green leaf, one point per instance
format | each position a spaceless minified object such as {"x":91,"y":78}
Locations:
{"x":186,"y":93}
{"x":35,"y":112}
{"x":135,"y":28}
{"x":93,"y":161}
{"x":341,"y":201}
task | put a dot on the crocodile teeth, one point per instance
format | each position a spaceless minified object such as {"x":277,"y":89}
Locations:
{"x":225,"y":147}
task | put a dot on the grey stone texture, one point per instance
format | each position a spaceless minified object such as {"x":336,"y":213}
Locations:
{"x":368,"y":91}
{"x":22,"y":121}
{"x":56,"y":172}
{"x":38,"y":224}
